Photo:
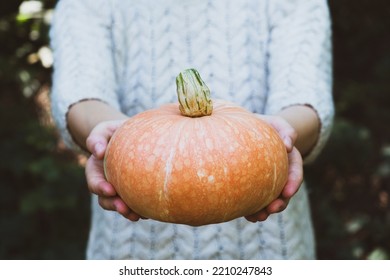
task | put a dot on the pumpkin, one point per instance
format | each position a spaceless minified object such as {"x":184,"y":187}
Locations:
{"x":198,"y":161}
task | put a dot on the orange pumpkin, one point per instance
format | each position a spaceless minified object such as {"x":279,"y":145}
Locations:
{"x":209,"y":162}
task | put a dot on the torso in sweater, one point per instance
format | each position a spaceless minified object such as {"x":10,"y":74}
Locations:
{"x":261,"y":54}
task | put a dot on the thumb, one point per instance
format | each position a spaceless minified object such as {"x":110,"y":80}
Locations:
{"x":100,"y":136}
{"x":286,"y":132}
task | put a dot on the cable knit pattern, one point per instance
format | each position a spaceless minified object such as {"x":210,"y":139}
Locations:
{"x":263,"y":55}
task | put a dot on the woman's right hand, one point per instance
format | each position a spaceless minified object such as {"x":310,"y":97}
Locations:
{"x":97,"y":184}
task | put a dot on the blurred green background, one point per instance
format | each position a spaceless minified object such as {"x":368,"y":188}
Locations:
{"x":44,"y":203}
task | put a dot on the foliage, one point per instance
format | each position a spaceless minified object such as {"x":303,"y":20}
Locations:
{"x":45,"y":204}
{"x":350,"y":182}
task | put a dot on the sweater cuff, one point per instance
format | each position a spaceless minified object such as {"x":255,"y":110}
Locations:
{"x":325,"y":113}
{"x":60,"y":113}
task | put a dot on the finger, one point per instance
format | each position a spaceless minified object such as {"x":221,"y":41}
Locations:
{"x":251,"y":218}
{"x":96,"y":181}
{"x":276,"y":206}
{"x":295,"y":174}
{"x":132,"y":216}
{"x":107,"y":203}
{"x":114,"y":203}
{"x":121,"y":207}
{"x":97,"y":141}
{"x":100,"y":136}
{"x":117,"y":204}
{"x":286,"y":132}
{"x":260,"y":216}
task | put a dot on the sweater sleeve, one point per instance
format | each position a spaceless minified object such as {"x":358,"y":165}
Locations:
{"x":83,"y":61}
{"x":300,"y":61}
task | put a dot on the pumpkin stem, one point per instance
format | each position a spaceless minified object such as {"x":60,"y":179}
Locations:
{"x":193,"y":94}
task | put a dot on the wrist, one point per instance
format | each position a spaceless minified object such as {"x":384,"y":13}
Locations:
{"x":85,"y":115}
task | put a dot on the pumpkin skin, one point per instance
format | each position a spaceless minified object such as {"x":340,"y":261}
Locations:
{"x":196,"y":171}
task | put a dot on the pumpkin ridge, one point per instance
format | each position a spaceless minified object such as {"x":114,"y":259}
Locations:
{"x":274,"y":178}
{"x":169,"y":163}
{"x":168,"y":171}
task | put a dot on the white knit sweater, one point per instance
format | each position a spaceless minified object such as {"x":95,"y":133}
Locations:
{"x":264,"y":55}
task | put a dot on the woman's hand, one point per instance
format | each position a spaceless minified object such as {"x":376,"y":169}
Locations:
{"x":295,"y":171}
{"x":96,"y":144}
